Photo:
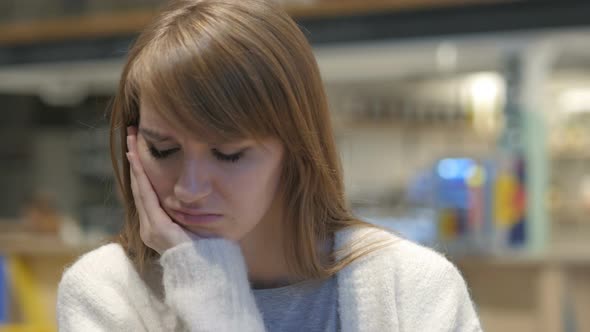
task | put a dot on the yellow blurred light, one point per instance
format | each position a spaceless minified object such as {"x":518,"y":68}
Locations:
{"x":485,"y":96}
{"x":477,"y":176}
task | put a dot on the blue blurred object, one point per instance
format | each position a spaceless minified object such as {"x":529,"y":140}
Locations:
{"x":451,"y":186}
{"x":3,"y":292}
{"x":454,"y":168}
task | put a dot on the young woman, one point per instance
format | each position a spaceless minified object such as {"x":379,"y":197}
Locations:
{"x":236,"y":217}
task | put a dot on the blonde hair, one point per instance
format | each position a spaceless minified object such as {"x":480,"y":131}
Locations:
{"x":233,"y":69}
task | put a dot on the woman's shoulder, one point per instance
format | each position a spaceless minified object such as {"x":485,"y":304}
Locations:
{"x":401,"y":258}
{"x":405,"y":281}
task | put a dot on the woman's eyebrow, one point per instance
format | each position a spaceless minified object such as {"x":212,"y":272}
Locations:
{"x":154,"y":135}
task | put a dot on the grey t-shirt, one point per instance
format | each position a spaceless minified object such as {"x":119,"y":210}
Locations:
{"x":305,"y":306}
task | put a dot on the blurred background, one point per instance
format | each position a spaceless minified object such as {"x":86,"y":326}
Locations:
{"x":462,"y":124}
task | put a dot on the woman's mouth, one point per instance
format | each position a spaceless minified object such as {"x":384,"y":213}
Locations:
{"x":196,"y":217}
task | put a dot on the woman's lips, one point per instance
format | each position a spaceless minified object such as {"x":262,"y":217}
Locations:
{"x":197,"y":218}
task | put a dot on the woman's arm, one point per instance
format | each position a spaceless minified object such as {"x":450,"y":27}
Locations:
{"x":206,"y":283}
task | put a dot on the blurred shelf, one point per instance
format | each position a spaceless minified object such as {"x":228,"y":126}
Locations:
{"x":572,"y":256}
{"x":325,"y":8}
{"x":329,"y":22}
{"x":90,"y":26}
{"x":575,"y":252}
{"x":31,"y":244}
{"x":344,"y":123}
{"x":570,"y":156}
{"x":132,"y":21}
{"x":528,"y":294}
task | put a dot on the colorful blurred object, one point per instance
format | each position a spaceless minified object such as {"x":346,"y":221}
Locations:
{"x":27,"y":299}
{"x":3,"y":293}
{"x":480,"y":206}
{"x":510,"y":202}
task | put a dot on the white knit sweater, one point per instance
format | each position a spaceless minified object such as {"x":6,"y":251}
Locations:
{"x":403,"y":287}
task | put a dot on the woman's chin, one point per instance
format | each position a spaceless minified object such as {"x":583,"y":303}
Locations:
{"x":204,"y":234}
{"x":198,"y":232}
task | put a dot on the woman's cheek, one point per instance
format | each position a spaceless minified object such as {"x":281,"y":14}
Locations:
{"x":157,"y":176}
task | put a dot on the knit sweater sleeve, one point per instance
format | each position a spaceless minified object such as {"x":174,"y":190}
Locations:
{"x":92,"y":295}
{"x":206,"y":283}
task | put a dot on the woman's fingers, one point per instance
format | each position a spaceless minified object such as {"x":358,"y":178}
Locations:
{"x":138,"y":203}
{"x":144,"y":223}
{"x":146,"y":192}
{"x":149,"y":204}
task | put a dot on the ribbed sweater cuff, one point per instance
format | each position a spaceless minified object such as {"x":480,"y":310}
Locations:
{"x":206,"y":260}
{"x":207,"y":280}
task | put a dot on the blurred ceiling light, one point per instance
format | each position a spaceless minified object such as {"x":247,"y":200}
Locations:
{"x":485,"y":92}
{"x":64,"y":83}
{"x":575,"y":100}
{"x":485,"y":89}
{"x":446,"y":57}
{"x":63,"y":93}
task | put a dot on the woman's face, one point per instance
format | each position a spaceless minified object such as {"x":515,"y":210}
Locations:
{"x":209,"y":188}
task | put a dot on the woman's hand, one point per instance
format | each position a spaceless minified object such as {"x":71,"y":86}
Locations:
{"x":156,"y":228}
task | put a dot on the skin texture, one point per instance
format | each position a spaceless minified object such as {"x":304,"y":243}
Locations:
{"x":236,"y":182}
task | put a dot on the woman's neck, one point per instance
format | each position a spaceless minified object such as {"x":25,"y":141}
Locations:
{"x":264,"y":252}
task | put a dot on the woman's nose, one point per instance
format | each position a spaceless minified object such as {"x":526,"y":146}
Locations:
{"x":193,"y":183}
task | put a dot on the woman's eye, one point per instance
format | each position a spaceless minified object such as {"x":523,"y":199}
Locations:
{"x":161,"y":154}
{"x":232,"y":158}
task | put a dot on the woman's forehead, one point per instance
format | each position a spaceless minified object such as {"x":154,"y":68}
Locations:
{"x":154,"y":121}
{"x":158,"y":127}
{"x":148,"y":114}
